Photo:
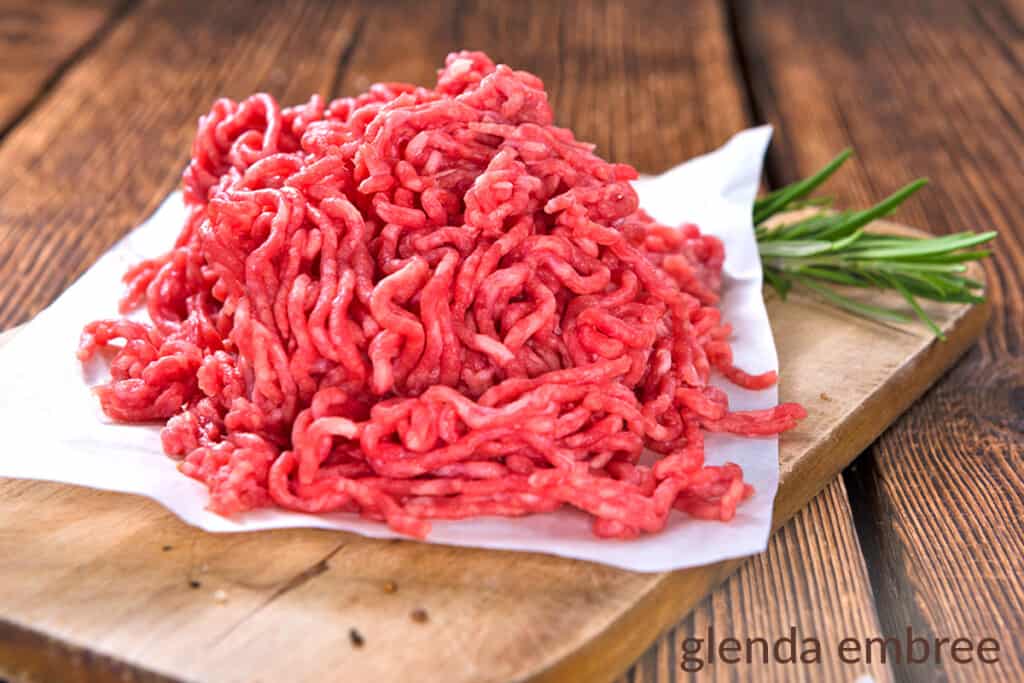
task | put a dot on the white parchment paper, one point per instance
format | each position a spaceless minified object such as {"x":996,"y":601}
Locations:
{"x":53,"y":428}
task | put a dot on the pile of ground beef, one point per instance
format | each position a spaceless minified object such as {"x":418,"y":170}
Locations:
{"x":430,"y":303}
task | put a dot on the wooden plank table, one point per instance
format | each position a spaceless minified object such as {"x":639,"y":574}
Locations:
{"x":925,"y":530}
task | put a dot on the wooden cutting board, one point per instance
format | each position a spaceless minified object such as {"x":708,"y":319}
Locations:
{"x":98,"y":586}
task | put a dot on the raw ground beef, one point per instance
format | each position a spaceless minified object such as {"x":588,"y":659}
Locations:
{"x":430,"y":303}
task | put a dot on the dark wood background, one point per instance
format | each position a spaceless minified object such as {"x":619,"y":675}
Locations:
{"x":98,"y":102}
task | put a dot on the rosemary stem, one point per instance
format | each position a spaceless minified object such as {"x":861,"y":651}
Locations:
{"x":823,"y":251}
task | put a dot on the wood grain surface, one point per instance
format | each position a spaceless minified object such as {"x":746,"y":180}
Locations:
{"x":650,"y":83}
{"x":40,"y":40}
{"x":811,"y":578}
{"x":939,"y":500}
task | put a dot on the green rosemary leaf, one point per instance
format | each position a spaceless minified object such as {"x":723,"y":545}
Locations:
{"x":972,"y":284}
{"x":922,"y":316}
{"x":879,"y":210}
{"x":778,"y":283}
{"x":959,"y":257}
{"x":774,"y":202}
{"x":794,"y":249}
{"x":842,"y":277}
{"x":860,"y":308}
{"x":928,"y":247}
{"x":802,"y":228}
{"x":846,"y":242}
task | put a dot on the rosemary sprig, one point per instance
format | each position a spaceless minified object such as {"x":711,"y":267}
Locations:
{"x":821,"y":250}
